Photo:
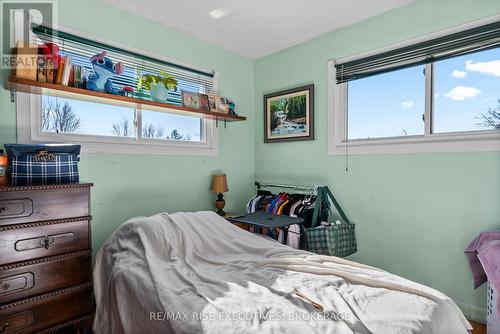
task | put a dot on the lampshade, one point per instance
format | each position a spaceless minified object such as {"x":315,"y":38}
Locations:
{"x":219,"y":184}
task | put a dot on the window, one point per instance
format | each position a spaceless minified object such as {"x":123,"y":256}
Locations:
{"x":439,"y":94}
{"x":467,"y":92}
{"x":396,"y":96}
{"x":118,"y":128}
{"x":73,"y":117}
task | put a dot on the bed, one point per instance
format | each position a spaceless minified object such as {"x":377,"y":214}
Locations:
{"x":198,"y":273}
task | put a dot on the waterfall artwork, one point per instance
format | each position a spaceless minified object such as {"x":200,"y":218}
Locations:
{"x":288,"y":115}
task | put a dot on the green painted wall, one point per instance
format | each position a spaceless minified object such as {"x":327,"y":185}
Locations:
{"x":132,"y":185}
{"x":415,"y":213}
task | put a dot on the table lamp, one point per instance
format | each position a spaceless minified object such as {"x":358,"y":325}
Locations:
{"x":219,"y":186}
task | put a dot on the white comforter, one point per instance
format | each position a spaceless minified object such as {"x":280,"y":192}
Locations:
{"x":197,"y":273}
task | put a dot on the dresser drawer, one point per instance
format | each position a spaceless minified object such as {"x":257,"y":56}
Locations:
{"x":34,"y":277}
{"x":38,"y":205}
{"x":27,"y":241}
{"x":34,"y":314}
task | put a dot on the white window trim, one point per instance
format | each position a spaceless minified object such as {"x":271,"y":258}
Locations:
{"x":28,"y":107}
{"x":466,"y":141}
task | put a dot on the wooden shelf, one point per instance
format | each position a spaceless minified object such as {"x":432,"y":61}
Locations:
{"x":36,"y":87}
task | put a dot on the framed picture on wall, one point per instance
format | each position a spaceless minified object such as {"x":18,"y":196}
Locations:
{"x":289,"y":115}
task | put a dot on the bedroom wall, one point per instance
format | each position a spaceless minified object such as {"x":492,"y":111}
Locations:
{"x":415,"y":213}
{"x":132,"y":185}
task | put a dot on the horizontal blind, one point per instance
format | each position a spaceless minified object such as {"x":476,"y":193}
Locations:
{"x":81,"y":49}
{"x":471,"y":40}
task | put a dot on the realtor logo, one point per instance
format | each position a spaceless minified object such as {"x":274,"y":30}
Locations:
{"x":18,"y":42}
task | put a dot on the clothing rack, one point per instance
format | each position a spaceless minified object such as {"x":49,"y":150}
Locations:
{"x":285,"y":186}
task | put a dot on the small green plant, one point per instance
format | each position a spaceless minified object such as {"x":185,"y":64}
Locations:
{"x":146,"y":80}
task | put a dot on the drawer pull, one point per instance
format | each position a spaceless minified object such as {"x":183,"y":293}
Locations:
{"x":5,"y":286}
{"x":46,"y":242}
{"x":4,"y":327}
{"x":3,"y":209}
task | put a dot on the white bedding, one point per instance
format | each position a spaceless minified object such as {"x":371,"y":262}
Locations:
{"x":197,"y":273}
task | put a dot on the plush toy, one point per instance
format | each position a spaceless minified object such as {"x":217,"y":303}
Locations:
{"x":103,"y":71}
{"x":232,"y":107}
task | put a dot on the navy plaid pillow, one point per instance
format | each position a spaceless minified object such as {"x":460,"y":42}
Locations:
{"x":63,"y":169}
{"x":43,"y":164}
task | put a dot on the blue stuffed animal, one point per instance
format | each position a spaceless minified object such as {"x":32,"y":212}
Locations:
{"x":103,"y":71}
{"x":232,"y":107}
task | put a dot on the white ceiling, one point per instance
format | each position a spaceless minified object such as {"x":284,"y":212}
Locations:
{"x":255,"y":28}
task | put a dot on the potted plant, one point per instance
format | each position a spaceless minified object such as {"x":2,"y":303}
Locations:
{"x":158,"y":85}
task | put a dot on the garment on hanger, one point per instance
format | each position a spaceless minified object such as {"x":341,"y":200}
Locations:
{"x":280,"y":209}
{"x":249,"y":204}
{"x":293,"y":237}
{"x":255,"y":203}
{"x":273,"y":203}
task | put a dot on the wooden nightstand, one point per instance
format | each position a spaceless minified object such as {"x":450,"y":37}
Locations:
{"x":240,"y":225}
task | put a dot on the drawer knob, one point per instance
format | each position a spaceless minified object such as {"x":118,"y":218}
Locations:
{"x":3,"y":209}
{"x":5,"y":286}
{"x":4,"y":327}
{"x":46,"y":242}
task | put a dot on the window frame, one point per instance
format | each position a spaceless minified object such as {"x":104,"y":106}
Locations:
{"x":461,"y":141}
{"x":29,"y":106}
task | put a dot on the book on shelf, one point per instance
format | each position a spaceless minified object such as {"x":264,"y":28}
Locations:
{"x":42,"y":70}
{"x":66,"y":71}
{"x":71,"y":81}
{"x":50,"y":70}
{"x":77,"y":76}
{"x":60,"y":69}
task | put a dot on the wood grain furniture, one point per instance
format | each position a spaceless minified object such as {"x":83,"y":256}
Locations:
{"x":45,"y":259}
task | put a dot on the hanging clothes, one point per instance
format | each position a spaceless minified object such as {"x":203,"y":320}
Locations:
{"x":291,"y":204}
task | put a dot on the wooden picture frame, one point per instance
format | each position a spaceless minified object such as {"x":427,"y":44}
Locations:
{"x":190,"y":100}
{"x":204,"y":102}
{"x":289,"y":115}
{"x":223,"y":105}
{"x":214,"y":102}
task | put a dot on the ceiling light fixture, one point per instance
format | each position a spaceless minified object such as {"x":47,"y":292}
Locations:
{"x":218,"y":13}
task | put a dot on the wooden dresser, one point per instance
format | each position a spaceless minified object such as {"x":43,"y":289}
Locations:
{"x":45,"y":259}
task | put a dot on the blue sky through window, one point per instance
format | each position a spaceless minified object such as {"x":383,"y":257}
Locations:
{"x":464,"y":88}
{"x":98,"y":118}
{"x":387,"y":105}
{"x":392,"y":104}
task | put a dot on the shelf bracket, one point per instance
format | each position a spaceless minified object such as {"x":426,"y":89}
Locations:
{"x":216,"y":122}
{"x":12,"y":95}
{"x":225,"y":122}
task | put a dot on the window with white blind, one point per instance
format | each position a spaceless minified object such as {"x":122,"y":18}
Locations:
{"x":118,"y":128}
{"x":433,"y":94}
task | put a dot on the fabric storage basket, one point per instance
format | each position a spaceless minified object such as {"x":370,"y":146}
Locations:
{"x":492,"y":312}
{"x":43,"y":163}
{"x":335,"y":239}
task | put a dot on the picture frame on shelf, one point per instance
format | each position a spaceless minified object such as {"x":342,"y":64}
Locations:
{"x":190,"y":100}
{"x":223,"y":105}
{"x":204,"y":102}
{"x":213,"y":102}
{"x":289,"y":115}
